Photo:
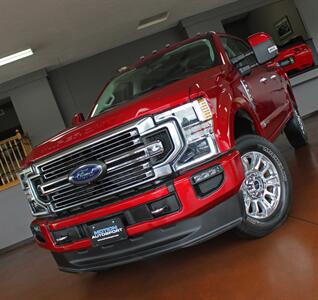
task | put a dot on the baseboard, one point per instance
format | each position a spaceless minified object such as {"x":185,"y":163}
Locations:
{"x":312,"y":114}
{"x":16,"y":245}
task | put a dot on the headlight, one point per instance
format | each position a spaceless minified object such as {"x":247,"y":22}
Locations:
{"x":36,"y":208}
{"x":196,"y":121}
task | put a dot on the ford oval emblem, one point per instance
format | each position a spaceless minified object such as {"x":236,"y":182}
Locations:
{"x":87,"y":173}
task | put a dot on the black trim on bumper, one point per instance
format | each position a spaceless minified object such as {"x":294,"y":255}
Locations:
{"x":211,"y":223}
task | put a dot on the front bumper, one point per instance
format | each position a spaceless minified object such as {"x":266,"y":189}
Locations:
{"x":197,"y":219}
{"x":223,"y":217}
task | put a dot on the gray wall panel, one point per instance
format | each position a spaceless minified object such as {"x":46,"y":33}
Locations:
{"x":212,"y":20}
{"x":37,"y":110}
{"x":15,"y":217}
{"x":308,"y":11}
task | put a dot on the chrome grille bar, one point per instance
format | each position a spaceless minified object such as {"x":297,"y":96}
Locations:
{"x":46,"y":190}
{"x":142,"y":155}
{"x":109,"y":141}
{"x":57,"y":207}
{"x":93,"y":151}
{"x":58,"y":199}
{"x":58,"y":169}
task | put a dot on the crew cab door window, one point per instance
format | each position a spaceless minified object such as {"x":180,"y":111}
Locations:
{"x":234,"y":47}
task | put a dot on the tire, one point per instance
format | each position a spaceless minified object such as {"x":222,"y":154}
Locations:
{"x":296,"y":132}
{"x":266,"y":190}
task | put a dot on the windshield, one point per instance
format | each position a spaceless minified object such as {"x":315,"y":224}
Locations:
{"x":172,"y":66}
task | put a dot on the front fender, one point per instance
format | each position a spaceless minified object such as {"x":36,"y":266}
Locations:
{"x":242,"y":105}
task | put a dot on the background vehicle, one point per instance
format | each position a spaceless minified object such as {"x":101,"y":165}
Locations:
{"x":295,"y":58}
{"x":177,"y":149}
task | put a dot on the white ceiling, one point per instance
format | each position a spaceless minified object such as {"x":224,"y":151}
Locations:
{"x":64,"y":31}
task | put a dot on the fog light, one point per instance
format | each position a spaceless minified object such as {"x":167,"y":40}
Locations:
{"x":37,"y":233}
{"x":206,"y":174}
{"x":67,"y":235}
{"x":208,"y":181}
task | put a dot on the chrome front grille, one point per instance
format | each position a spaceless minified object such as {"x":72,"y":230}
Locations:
{"x":128,"y":165}
{"x":130,"y":157}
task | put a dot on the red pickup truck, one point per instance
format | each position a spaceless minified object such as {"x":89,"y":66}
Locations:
{"x":176,"y":150}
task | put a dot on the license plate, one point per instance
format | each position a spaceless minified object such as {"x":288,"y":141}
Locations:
{"x":107,"y":232}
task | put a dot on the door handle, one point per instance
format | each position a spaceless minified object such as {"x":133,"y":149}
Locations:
{"x":263,"y":80}
{"x":273,"y":76}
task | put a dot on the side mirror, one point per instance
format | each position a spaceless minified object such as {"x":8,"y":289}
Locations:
{"x":77,"y":119}
{"x":263,"y":46}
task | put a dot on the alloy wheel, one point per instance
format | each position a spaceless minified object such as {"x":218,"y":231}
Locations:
{"x":262,"y":185}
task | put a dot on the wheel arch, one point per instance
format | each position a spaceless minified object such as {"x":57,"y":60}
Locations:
{"x":244,"y":123}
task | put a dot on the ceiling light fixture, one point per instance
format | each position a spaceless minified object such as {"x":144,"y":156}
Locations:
{"x":153,"y":20}
{"x":16,"y":56}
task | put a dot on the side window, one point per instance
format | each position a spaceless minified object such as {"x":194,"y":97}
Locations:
{"x":234,"y":47}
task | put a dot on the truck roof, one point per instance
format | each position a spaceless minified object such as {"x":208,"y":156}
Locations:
{"x":168,"y":48}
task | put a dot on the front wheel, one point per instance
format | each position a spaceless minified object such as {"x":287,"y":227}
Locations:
{"x":266,"y":190}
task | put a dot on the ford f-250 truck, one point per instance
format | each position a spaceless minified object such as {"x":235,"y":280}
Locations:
{"x":176,"y":150}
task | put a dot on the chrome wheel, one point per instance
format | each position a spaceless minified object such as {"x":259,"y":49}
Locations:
{"x":262,"y":186}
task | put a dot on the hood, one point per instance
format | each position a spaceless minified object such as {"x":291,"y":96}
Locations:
{"x":153,"y":102}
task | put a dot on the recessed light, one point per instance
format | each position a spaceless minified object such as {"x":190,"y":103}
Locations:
{"x":16,"y":56}
{"x":153,"y":20}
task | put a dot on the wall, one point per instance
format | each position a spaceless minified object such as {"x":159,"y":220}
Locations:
{"x":308,"y":12}
{"x":212,"y":20}
{"x":9,"y":120}
{"x":77,"y":85}
{"x":37,"y":110}
{"x":238,"y":26}
{"x":15,"y":217}
{"x":265,"y":18}
{"x":305,"y":86}
{"x":35,"y":106}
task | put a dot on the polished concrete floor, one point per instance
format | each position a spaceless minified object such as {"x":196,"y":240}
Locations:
{"x":281,"y":266}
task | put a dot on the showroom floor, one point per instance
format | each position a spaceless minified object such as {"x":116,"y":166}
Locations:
{"x":281,"y":266}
